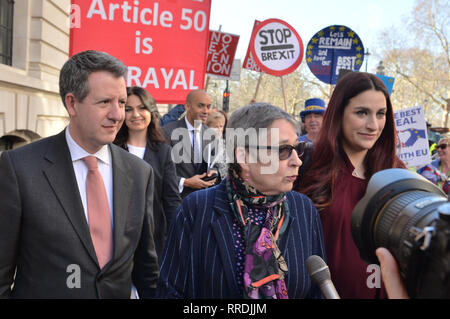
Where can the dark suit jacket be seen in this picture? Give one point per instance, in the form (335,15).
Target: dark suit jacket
(199,260)
(185,168)
(166,197)
(44,232)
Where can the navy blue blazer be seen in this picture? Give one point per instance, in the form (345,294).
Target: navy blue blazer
(199,259)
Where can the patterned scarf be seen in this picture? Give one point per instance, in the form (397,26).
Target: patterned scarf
(265,267)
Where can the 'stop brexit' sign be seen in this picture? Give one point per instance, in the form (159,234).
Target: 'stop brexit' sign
(276,47)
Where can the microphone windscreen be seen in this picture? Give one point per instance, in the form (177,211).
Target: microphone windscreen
(317,268)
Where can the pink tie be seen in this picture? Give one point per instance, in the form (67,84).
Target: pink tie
(100,224)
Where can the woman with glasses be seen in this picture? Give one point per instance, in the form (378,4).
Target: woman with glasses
(249,236)
(359,140)
(438,171)
(141,135)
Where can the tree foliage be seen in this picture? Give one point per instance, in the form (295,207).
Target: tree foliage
(418,58)
(298,86)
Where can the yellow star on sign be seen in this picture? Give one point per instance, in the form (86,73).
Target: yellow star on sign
(310,47)
(358,62)
(358,48)
(309,52)
(358,55)
(320,33)
(351,34)
(314,40)
(355,41)
(309,59)
(342,28)
(332,28)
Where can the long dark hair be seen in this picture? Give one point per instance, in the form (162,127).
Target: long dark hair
(328,154)
(154,131)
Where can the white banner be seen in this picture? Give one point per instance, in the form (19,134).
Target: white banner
(413,147)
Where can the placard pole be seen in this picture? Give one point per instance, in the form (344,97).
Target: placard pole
(207,82)
(257,86)
(284,93)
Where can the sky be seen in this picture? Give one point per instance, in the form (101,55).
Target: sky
(367,18)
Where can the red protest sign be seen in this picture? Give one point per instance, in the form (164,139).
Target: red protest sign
(221,51)
(163,43)
(249,62)
(276,47)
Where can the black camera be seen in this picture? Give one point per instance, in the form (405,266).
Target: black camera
(410,216)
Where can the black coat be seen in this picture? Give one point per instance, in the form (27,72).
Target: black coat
(166,194)
(44,234)
(185,167)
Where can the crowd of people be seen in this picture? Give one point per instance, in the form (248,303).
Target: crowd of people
(186,210)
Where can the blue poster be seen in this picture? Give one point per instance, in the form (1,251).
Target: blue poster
(334,48)
(388,82)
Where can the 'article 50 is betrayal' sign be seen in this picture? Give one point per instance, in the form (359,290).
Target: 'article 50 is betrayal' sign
(163,43)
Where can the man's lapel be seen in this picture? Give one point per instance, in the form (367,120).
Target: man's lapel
(122,185)
(61,177)
(189,166)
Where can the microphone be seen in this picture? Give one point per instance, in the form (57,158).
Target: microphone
(320,273)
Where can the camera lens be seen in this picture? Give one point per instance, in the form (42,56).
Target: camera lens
(396,202)
(401,221)
(401,211)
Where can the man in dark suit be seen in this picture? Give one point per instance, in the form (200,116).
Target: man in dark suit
(192,166)
(58,239)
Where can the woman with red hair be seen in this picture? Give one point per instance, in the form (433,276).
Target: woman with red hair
(357,140)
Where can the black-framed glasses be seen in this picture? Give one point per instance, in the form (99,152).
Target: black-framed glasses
(284,151)
(443,146)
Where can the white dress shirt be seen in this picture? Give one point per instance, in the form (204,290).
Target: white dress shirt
(198,141)
(81,170)
(136,150)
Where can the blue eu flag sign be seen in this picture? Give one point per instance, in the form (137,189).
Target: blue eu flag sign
(388,82)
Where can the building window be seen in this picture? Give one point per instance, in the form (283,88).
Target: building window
(6,29)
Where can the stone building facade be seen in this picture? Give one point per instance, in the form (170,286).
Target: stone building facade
(37,33)
(30,105)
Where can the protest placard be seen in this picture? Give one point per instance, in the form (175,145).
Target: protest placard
(249,63)
(163,43)
(221,50)
(276,47)
(413,147)
(331,49)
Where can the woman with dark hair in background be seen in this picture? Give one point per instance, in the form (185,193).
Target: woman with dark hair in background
(357,140)
(141,135)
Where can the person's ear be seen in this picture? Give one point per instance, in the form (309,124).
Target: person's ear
(70,101)
(187,106)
